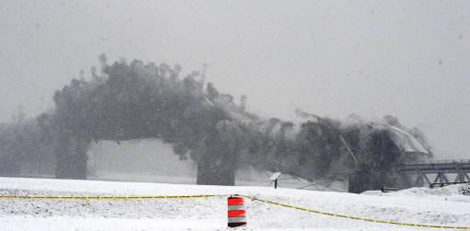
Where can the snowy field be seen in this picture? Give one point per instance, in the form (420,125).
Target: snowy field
(425,206)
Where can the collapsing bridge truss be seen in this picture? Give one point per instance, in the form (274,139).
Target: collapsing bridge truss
(419,175)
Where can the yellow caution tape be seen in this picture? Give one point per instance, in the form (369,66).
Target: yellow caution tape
(355,218)
(206,196)
(105,197)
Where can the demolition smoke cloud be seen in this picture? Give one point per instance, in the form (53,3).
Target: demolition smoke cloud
(137,100)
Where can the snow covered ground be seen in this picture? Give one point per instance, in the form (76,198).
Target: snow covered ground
(425,206)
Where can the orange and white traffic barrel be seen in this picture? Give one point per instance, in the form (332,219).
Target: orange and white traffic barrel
(236,211)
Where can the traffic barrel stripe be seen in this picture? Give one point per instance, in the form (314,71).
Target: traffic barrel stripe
(235,201)
(237,220)
(235,207)
(236,213)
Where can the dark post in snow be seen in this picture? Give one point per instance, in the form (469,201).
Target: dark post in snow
(275,178)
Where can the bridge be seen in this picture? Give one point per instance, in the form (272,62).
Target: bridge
(442,173)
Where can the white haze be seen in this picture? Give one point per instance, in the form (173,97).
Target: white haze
(332,58)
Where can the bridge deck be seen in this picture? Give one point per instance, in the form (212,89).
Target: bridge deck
(437,167)
(422,172)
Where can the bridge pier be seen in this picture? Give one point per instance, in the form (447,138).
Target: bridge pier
(71,157)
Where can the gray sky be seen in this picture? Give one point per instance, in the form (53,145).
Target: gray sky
(332,58)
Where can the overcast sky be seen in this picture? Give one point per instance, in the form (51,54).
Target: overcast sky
(408,58)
